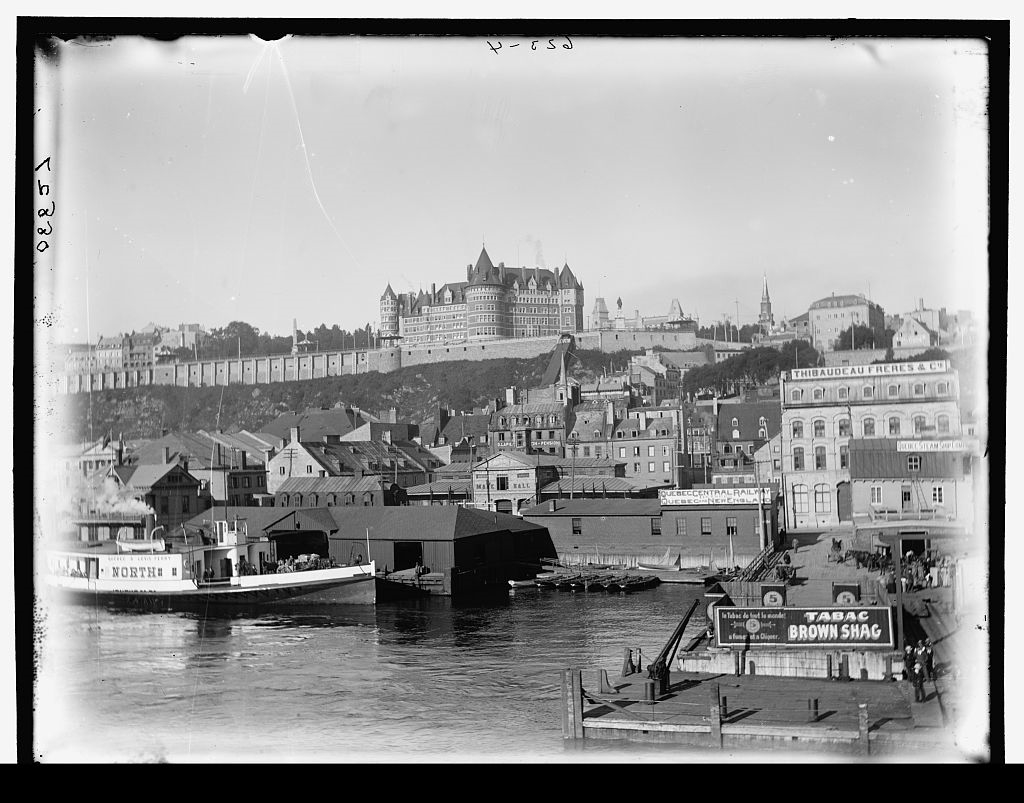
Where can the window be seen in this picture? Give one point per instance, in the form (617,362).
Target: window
(762,433)
(165,507)
(937,494)
(312,500)
(309,468)
(577,526)
(819,458)
(597,433)
(867,392)
(735,422)
(800,499)
(893,391)
(622,451)
(876,494)
(894,426)
(680,526)
(730,525)
(844,427)
(586,451)
(636,451)
(919,388)
(844,393)
(501,421)
(914,462)
(942,388)
(666,466)
(185,507)
(735,433)
(942,424)
(798,429)
(650,467)
(705,525)
(762,422)
(502,483)
(234,482)
(819,394)
(918,424)
(551,434)
(245,482)
(281,471)
(869,427)
(796,395)
(636,468)
(844,456)
(655,526)
(798,459)
(819,428)
(650,451)
(822,499)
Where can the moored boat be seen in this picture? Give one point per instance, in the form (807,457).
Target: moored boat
(235,570)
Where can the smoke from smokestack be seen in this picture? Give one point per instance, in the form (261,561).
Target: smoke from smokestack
(113,500)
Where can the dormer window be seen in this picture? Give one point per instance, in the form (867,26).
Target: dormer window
(819,394)
(735,422)
(844,393)
(762,422)
(893,391)
(796,395)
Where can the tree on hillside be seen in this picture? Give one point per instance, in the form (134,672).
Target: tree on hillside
(864,337)
(798,354)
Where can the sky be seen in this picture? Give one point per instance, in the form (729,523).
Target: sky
(220,178)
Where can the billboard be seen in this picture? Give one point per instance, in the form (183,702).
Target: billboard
(804,627)
(881,369)
(931,446)
(715,496)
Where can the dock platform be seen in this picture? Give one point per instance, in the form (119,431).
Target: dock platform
(756,712)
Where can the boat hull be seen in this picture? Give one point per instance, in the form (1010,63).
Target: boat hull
(352,590)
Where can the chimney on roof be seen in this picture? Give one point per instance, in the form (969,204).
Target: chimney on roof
(433,292)
(167,455)
(552,506)
(294,435)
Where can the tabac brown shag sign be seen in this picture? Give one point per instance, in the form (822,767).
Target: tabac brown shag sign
(804,627)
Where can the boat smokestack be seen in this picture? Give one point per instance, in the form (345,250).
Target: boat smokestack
(150,524)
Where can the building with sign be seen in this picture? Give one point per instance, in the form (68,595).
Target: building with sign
(823,409)
(698,527)
(916,491)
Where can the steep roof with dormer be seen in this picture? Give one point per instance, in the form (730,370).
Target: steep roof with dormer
(567,280)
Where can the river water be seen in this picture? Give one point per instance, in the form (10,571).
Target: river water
(413,681)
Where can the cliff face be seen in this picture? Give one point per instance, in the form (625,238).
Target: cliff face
(415,392)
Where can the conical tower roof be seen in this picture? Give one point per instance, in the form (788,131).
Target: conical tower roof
(389,293)
(566,279)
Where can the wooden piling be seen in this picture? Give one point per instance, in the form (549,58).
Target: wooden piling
(603,685)
(627,662)
(863,742)
(572,704)
(716,717)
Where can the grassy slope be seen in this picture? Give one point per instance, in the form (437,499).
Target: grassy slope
(415,391)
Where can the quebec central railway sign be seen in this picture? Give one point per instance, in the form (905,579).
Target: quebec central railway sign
(714,496)
(804,627)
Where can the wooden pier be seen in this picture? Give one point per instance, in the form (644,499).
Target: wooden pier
(754,712)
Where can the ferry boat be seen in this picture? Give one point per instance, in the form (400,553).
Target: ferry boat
(235,570)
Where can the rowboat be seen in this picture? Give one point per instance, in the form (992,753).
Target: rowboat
(522,583)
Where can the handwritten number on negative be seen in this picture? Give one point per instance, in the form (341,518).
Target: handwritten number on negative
(44,213)
(46,162)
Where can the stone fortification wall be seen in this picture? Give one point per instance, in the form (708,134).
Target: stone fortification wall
(487,350)
(292,367)
(611,341)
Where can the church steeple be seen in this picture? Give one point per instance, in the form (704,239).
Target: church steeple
(765,320)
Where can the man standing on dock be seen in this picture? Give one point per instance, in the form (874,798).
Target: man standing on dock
(918,677)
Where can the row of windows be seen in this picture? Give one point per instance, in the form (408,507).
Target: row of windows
(538,421)
(651,451)
(868,392)
(330,500)
(821,462)
(918,422)
(938,494)
(731,525)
